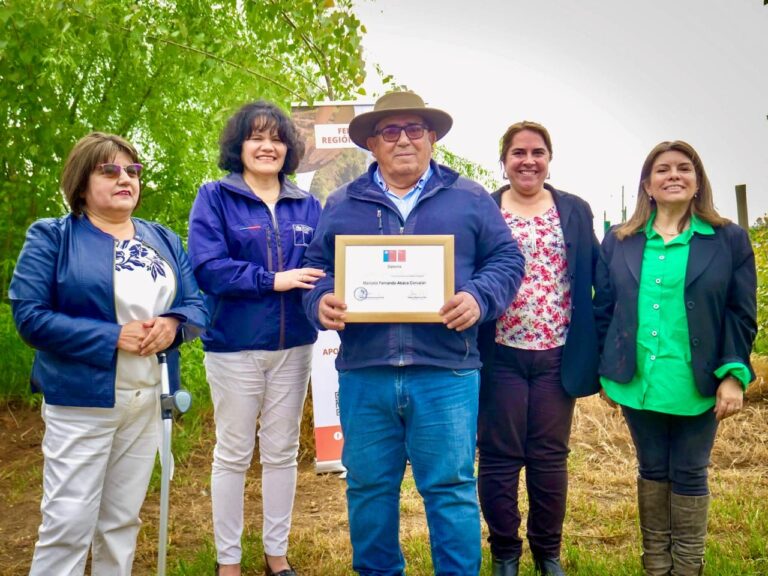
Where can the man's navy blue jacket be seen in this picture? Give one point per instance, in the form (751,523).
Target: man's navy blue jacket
(488,265)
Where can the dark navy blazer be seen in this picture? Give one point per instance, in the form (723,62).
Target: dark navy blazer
(720,298)
(580,353)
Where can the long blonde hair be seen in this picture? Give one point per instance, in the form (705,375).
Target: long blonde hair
(702,204)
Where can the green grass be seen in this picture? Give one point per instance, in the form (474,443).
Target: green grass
(601,536)
(21,476)
(17,362)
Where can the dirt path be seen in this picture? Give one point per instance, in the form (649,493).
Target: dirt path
(602,461)
(21,430)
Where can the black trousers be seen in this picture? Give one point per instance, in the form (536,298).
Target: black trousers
(524,421)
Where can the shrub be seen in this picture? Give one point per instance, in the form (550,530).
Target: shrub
(17,360)
(759,237)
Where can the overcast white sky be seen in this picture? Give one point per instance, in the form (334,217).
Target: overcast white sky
(609,78)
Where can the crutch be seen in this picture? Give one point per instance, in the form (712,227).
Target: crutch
(181,401)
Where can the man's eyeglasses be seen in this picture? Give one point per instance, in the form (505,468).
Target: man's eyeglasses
(111,170)
(392,132)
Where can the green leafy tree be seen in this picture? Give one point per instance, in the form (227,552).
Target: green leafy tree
(166,75)
(467,168)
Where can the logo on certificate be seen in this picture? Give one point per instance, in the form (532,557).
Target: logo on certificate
(360,293)
(394,256)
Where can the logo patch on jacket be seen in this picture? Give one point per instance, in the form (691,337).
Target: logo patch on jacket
(302,234)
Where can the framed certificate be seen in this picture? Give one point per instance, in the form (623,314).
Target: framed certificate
(394,278)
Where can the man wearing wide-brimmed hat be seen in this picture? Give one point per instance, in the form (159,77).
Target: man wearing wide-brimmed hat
(409,391)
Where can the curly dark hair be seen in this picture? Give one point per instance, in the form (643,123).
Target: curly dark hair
(252,117)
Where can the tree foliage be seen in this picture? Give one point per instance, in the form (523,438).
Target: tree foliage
(759,236)
(466,167)
(164,74)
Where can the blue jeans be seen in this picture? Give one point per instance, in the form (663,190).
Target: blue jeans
(673,448)
(427,416)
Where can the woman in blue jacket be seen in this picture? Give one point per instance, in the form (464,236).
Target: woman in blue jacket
(247,236)
(98,293)
(537,358)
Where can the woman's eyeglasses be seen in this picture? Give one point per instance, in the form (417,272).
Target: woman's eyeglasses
(392,132)
(112,170)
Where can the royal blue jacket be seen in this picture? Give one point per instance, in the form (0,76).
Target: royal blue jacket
(63,302)
(488,265)
(236,250)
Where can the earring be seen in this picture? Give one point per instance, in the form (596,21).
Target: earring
(548,176)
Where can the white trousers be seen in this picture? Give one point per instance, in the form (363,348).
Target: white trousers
(268,387)
(98,462)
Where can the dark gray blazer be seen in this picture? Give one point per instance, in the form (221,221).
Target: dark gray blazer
(580,353)
(720,297)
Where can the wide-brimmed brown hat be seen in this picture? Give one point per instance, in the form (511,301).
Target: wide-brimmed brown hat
(391,104)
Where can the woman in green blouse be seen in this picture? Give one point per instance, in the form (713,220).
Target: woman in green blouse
(675,306)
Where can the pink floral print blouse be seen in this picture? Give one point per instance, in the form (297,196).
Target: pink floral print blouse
(539,317)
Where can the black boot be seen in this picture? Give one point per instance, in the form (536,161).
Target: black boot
(549,566)
(507,567)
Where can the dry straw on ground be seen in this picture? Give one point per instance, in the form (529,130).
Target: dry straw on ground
(601,516)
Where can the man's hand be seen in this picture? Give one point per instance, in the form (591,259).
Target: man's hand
(730,398)
(162,333)
(460,312)
(330,312)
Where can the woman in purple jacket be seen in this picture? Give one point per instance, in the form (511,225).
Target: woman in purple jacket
(247,236)
(98,293)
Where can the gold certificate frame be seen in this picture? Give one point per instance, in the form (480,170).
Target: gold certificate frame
(404,278)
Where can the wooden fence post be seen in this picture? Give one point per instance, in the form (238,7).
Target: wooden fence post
(741,205)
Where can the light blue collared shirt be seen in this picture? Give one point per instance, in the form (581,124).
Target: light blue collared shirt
(407,202)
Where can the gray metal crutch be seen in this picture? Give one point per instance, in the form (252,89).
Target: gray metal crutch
(181,401)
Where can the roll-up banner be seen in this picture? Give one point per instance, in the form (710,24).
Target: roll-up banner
(330,160)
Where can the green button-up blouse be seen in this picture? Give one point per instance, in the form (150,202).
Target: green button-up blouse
(663,381)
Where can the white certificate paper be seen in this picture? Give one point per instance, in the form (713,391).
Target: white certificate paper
(395,278)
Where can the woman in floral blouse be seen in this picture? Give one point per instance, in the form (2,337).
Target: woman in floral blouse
(537,358)
(98,293)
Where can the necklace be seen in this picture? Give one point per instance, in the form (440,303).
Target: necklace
(666,233)
(531,206)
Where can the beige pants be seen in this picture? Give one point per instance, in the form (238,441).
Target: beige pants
(268,387)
